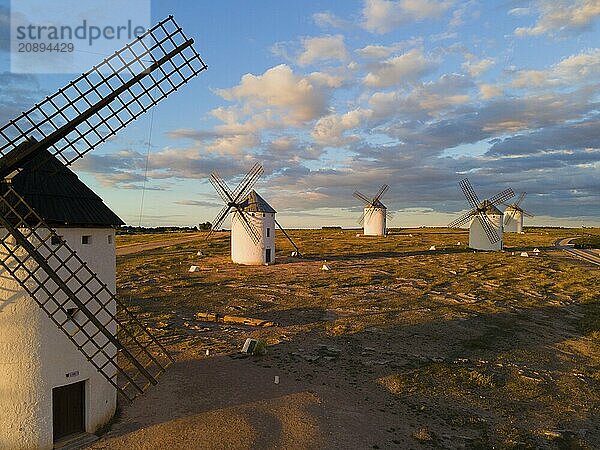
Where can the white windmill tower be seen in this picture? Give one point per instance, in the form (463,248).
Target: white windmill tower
(486,220)
(252,220)
(67,344)
(375,214)
(513,216)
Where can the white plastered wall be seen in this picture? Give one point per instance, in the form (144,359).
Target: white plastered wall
(35,356)
(243,249)
(515,225)
(478,239)
(375,222)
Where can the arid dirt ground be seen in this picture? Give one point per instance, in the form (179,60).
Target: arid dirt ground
(396,346)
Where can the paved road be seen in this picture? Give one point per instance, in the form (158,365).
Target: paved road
(137,248)
(587,255)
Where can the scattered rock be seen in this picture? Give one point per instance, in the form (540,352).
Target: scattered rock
(551,434)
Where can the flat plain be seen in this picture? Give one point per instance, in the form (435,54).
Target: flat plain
(397,346)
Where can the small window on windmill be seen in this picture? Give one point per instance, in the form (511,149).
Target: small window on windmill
(86,239)
(56,240)
(268,232)
(110,239)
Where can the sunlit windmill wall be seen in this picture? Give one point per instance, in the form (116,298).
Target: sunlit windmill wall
(478,239)
(244,250)
(37,358)
(375,221)
(515,225)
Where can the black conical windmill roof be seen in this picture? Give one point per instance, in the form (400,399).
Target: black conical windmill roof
(59,196)
(255,203)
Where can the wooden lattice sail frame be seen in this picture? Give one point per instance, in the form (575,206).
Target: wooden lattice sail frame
(67,125)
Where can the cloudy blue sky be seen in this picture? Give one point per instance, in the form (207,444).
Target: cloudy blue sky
(333,96)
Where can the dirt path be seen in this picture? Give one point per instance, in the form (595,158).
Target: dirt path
(137,248)
(590,256)
(218,402)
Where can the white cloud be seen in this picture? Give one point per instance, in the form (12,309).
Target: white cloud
(562,17)
(488,91)
(476,68)
(322,48)
(296,98)
(581,67)
(376,51)
(425,101)
(327,79)
(405,68)
(381,16)
(330,130)
(519,12)
(383,51)
(233,145)
(327,19)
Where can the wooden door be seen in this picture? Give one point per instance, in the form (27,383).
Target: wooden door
(268,255)
(68,406)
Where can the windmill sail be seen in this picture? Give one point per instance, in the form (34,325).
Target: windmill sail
(93,107)
(234,199)
(372,204)
(514,208)
(67,125)
(57,279)
(480,210)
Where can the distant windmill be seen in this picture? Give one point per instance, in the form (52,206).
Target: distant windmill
(375,214)
(69,344)
(252,221)
(486,228)
(513,216)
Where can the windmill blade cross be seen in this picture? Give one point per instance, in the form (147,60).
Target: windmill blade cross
(380,194)
(250,228)
(457,223)
(41,270)
(361,220)
(469,192)
(95,106)
(232,200)
(511,216)
(520,199)
(490,232)
(502,196)
(368,214)
(221,187)
(526,213)
(69,124)
(363,198)
(218,221)
(248,182)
